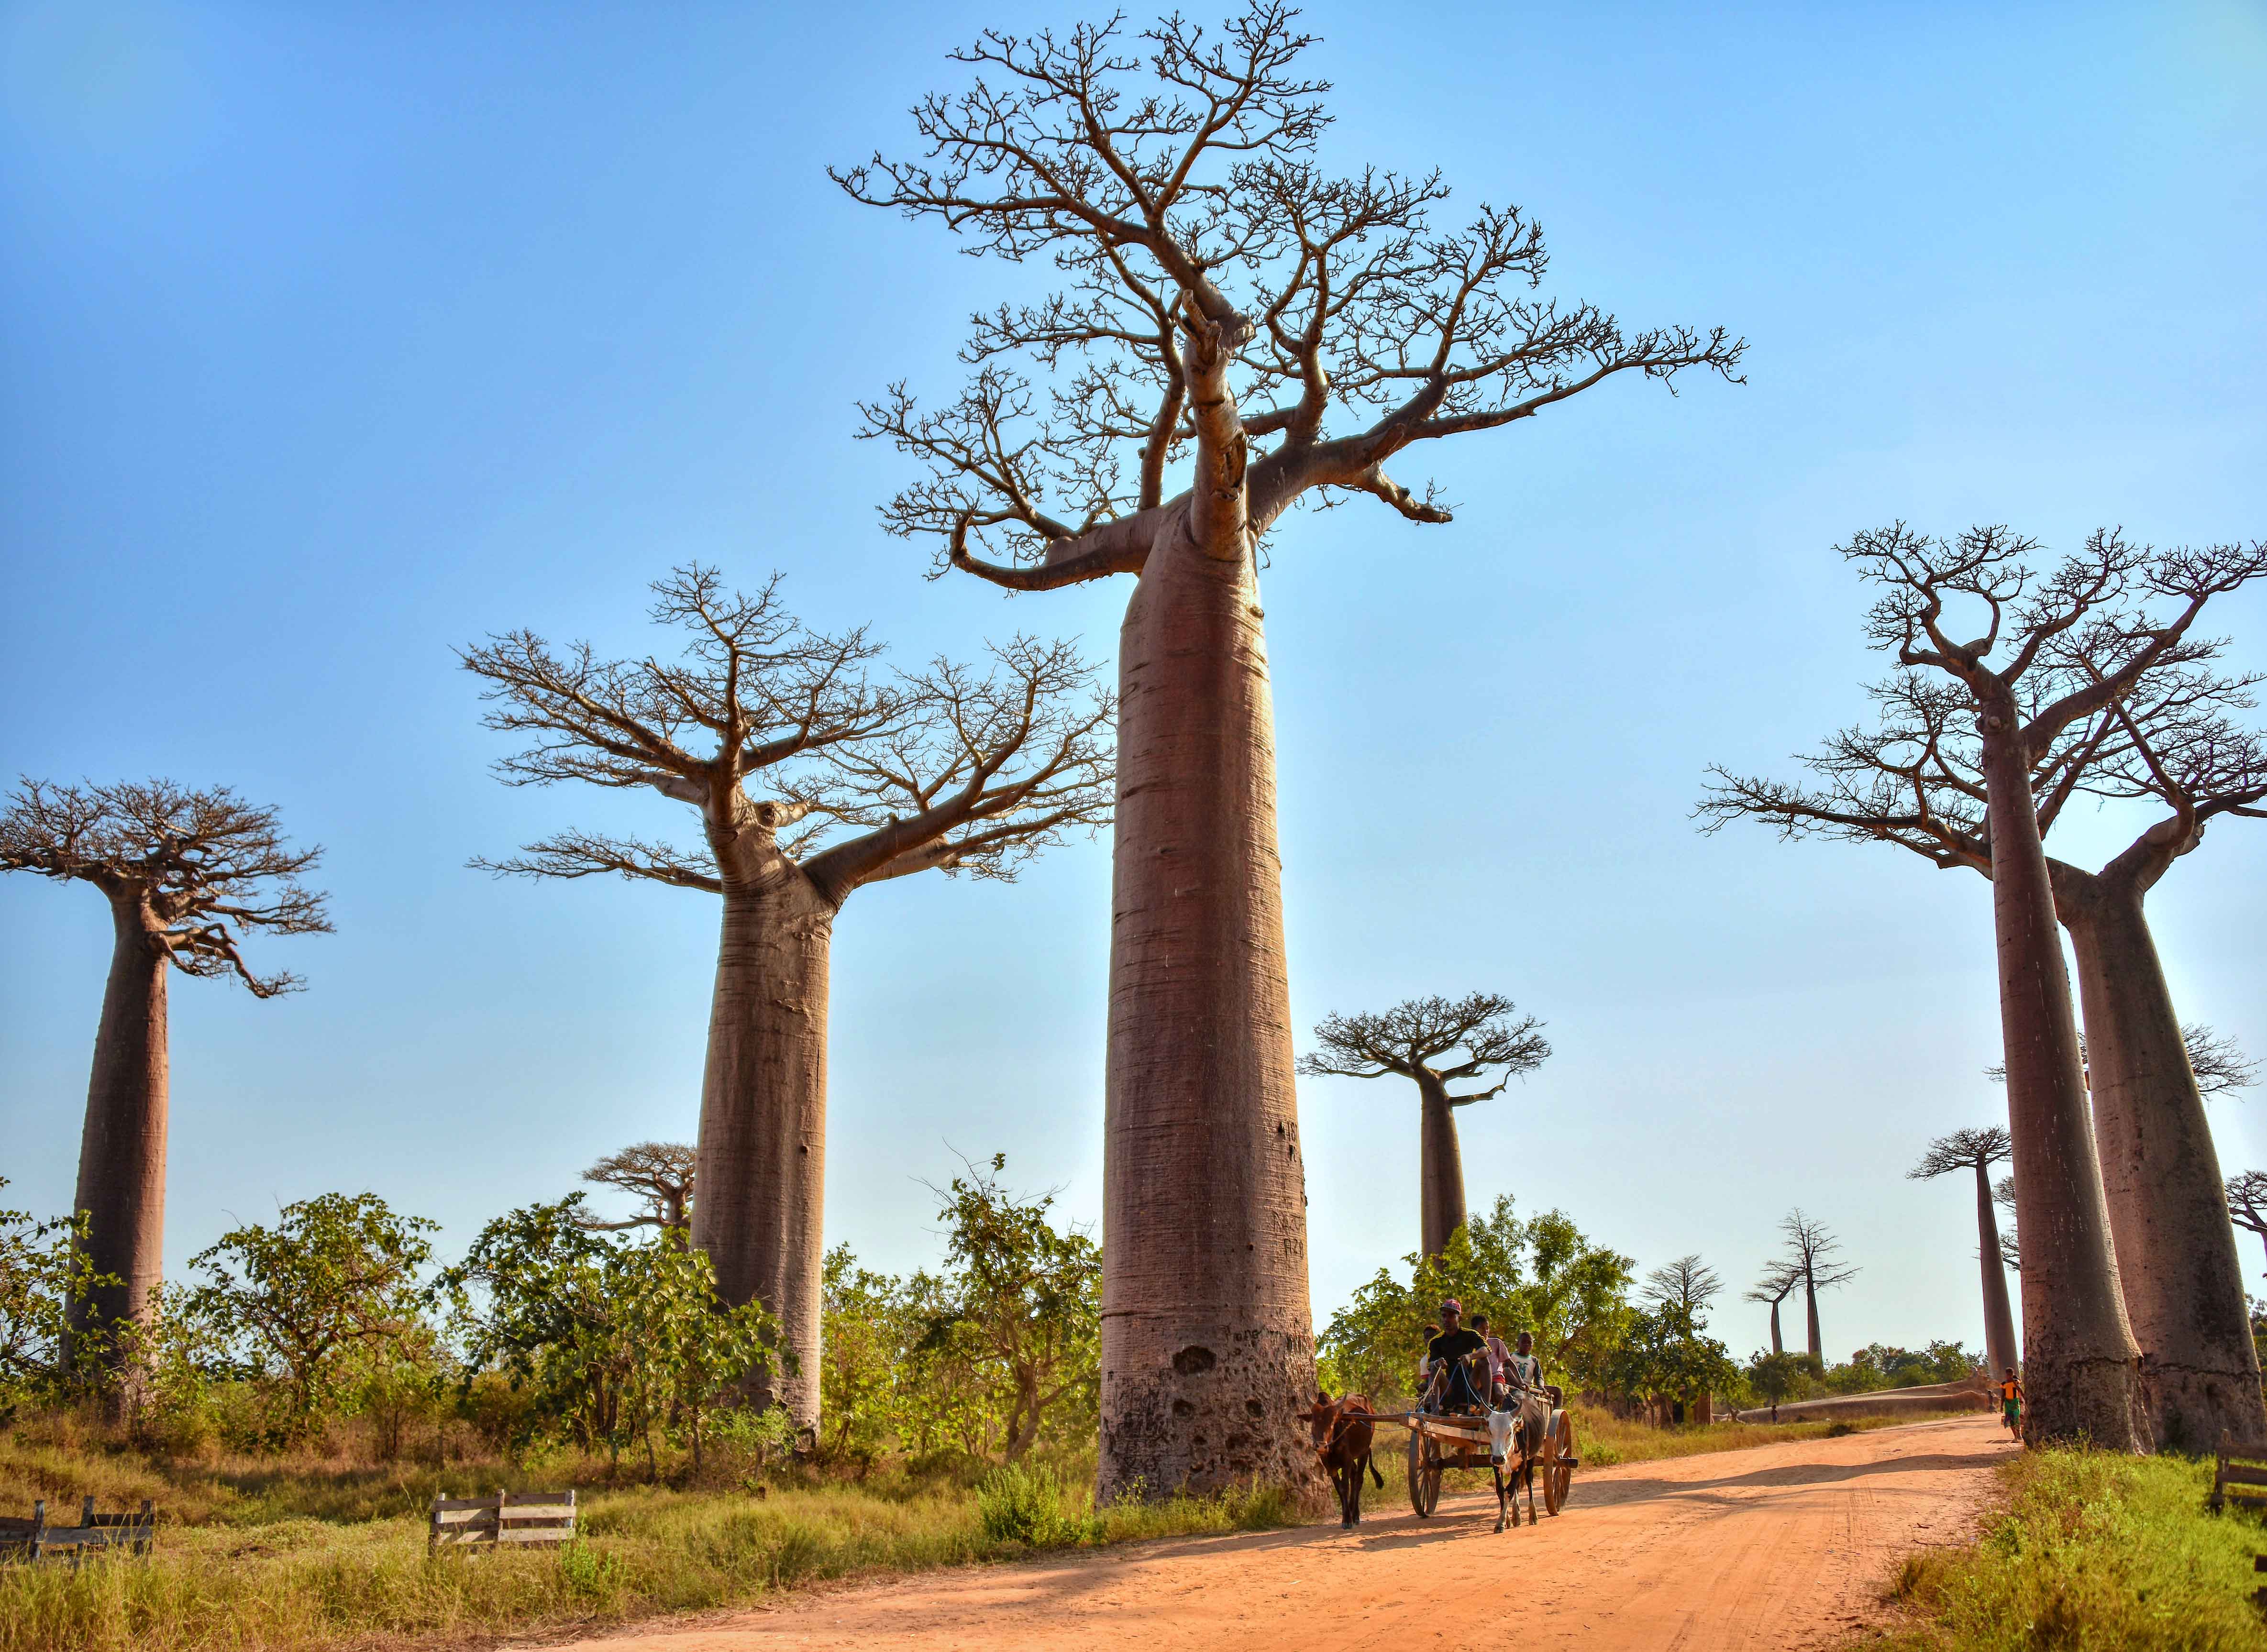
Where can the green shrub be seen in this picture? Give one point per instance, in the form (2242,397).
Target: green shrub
(1025,1504)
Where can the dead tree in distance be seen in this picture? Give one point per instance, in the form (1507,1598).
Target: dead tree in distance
(1811,1250)
(1779,1280)
(1687,1283)
(2075,640)
(1487,1034)
(189,874)
(1236,331)
(2247,1201)
(1978,1150)
(1918,779)
(661,1174)
(947,768)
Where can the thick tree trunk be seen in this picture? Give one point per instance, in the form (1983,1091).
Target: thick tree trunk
(122,1154)
(762,1166)
(2082,1370)
(1207,1340)
(1441,1167)
(1810,1314)
(2000,1349)
(1777,1345)
(2167,1204)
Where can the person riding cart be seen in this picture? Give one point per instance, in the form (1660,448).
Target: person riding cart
(1452,1383)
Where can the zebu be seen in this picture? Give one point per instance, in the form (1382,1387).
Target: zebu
(1345,1431)
(1532,1437)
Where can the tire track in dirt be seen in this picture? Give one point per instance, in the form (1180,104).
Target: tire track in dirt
(1780,1547)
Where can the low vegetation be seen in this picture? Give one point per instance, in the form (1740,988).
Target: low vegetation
(2096,1550)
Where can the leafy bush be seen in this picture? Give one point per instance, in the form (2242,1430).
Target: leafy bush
(1024,1503)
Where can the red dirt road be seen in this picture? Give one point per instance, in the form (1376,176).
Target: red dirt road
(1779,1547)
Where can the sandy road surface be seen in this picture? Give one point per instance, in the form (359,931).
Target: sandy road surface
(1781,1545)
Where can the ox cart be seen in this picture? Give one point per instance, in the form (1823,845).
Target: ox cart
(1534,1439)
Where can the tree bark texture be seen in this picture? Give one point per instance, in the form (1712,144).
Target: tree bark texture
(2001,1350)
(2082,1370)
(122,1155)
(1810,1314)
(1208,1342)
(1777,1345)
(2183,1284)
(762,1165)
(1441,1167)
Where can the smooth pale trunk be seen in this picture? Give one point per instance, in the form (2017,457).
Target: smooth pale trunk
(1207,1340)
(2000,1349)
(762,1165)
(2183,1284)
(2082,1370)
(1810,1312)
(1777,1347)
(122,1154)
(1441,1168)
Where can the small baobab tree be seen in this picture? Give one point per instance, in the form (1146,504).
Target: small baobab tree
(1435,1043)
(660,1174)
(1236,333)
(2058,656)
(1811,1252)
(1978,1150)
(1778,1282)
(947,768)
(1687,1284)
(2247,1201)
(189,874)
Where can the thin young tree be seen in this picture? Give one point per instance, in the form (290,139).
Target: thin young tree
(1916,777)
(1978,1150)
(2247,1201)
(1487,1035)
(1687,1284)
(188,876)
(2074,642)
(1236,333)
(1778,1283)
(1812,1251)
(659,1174)
(947,768)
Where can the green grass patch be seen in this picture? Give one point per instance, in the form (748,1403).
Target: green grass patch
(2096,1552)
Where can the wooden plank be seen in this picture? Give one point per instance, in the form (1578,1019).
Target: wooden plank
(540,1534)
(463,1517)
(2243,1474)
(513,1499)
(539,1511)
(441,1504)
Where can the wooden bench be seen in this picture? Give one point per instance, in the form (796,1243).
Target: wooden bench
(2240,1477)
(508,1517)
(34,1539)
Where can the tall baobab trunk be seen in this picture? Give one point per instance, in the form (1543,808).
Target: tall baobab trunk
(122,1155)
(1207,1344)
(1777,1345)
(1441,1166)
(763,1119)
(1810,1314)
(2183,1284)
(2082,1370)
(2001,1350)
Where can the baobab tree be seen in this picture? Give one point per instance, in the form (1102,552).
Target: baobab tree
(1487,1036)
(2076,643)
(190,875)
(659,1174)
(947,768)
(1918,779)
(1811,1252)
(2011,1246)
(1688,1283)
(1779,1280)
(1236,333)
(2247,1201)
(1978,1150)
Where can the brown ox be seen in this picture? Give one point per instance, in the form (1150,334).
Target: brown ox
(1343,1430)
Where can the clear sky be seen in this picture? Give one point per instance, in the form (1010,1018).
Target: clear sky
(332,337)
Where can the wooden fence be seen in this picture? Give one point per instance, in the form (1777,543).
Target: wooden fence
(2240,1477)
(34,1539)
(508,1517)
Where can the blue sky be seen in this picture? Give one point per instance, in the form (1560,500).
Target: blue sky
(332,338)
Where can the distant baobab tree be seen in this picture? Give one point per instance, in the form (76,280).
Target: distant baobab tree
(1236,333)
(1687,1283)
(2247,1201)
(190,875)
(2011,1248)
(947,768)
(1779,1280)
(659,1174)
(1811,1250)
(2079,644)
(1978,1150)
(1413,1039)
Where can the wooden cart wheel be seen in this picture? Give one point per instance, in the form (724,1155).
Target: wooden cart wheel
(1559,1465)
(1423,1472)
